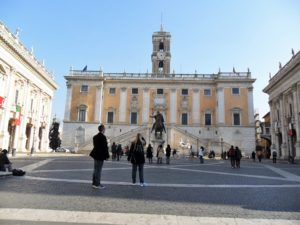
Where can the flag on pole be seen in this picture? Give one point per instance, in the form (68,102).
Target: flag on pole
(18,115)
(84,69)
(1,101)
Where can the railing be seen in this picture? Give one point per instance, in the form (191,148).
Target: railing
(173,76)
(128,134)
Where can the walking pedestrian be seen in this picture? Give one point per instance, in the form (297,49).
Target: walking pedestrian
(99,154)
(160,154)
(238,156)
(137,158)
(259,155)
(274,154)
(231,155)
(119,152)
(168,154)
(114,151)
(253,156)
(149,153)
(201,154)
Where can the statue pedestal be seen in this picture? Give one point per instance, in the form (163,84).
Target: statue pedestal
(156,141)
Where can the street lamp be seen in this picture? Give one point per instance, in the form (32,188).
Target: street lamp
(222,149)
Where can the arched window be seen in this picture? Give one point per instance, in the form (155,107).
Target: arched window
(82,110)
(161,64)
(161,46)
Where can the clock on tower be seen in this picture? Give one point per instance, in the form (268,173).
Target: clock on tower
(161,56)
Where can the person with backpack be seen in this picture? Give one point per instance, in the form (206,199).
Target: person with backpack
(136,156)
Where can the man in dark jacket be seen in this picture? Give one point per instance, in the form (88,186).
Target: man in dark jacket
(99,154)
(5,164)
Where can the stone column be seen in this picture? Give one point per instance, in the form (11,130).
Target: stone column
(173,106)
(273,119)
(68,102)
(97,108)
(4,83)
(284,148)
(297,125)
(146,104)
(4,135)
(250,106)
(48,122)
(38,119)
(25,109)
(101,98)
(221,105)
(123,105)
(196,107)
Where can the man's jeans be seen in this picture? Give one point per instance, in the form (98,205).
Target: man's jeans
(97,172)
(141,172)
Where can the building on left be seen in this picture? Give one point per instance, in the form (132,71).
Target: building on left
(26,95)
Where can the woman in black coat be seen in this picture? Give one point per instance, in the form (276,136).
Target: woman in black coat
(136,156)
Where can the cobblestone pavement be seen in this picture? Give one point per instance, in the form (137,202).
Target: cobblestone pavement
(57,190)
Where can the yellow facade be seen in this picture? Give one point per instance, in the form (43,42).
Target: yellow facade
(197,108)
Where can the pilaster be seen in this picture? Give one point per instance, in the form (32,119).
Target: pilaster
(196,107)
(296,117)
(146,104)
(173,106)
(284,148)
(221,105)
(68,102)
(123,105)
(250,106)
(97,108)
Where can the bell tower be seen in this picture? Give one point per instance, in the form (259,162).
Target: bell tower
(161,55)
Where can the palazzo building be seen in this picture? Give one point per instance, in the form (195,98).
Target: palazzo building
(210,110)
(26,95)
(284,100)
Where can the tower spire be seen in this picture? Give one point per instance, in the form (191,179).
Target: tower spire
(161,23)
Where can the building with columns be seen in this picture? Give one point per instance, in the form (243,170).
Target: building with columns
(210,110)
(26,95)
(284,100)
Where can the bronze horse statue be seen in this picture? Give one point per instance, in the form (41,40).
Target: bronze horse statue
(158,125)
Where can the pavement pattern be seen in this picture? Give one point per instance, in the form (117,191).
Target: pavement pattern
(57,190)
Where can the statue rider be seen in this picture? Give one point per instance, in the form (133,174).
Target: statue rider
(158,125)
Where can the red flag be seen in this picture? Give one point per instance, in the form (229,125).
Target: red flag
(1,101)
(18,115)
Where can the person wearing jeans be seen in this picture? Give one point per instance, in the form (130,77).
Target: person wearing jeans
(99,154)
(136,156)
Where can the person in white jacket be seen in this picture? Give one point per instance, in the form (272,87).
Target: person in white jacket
(201,154)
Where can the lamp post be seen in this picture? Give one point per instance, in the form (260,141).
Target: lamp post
(222,149)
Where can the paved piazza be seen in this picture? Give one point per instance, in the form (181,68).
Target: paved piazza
(57,190)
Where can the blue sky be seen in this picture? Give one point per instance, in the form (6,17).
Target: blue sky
(116,35)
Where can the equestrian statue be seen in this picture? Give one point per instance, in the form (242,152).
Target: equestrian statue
(158,125)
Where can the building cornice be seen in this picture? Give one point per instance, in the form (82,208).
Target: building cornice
(13,43)
(226,77)
(281,74)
